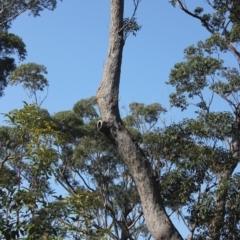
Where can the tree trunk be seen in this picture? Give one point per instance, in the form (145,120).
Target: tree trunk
(158,222)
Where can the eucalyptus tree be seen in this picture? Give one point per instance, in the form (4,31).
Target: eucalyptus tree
(26,156)
(136,177)
(111,124)
(11,9)
(33,79)
(12,46)
(30,207)
(201,80)
(88,162)
(201,154)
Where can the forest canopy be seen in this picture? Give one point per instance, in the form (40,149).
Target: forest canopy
(92,172)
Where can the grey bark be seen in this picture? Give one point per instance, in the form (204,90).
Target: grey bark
(158,222)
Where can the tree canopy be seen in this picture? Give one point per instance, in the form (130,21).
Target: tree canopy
(10,9)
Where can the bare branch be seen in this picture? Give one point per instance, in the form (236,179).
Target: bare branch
(5,160)
(135,220)
(76,171)
(204,22)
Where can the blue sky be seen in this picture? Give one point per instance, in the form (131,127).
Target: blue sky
(72,43)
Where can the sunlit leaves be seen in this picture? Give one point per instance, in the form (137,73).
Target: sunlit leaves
(30,150)
(31,75)
(200,72)
(12,9)
(144,116)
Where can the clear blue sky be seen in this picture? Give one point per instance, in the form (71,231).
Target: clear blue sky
(72,43)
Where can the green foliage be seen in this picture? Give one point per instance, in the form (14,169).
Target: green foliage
(69,123)
(37,148)
(193,76)
(28,152)
(31,75)
(144,117)
(186,158)
(199,72)
(130,26)
(85,108)
(10,44)
(193,160)
(26,158)
(12,9)
(203,153)
(89,164)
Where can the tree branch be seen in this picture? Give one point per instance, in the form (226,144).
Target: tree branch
(204,22)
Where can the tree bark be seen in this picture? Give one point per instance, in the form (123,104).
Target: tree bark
(158,222)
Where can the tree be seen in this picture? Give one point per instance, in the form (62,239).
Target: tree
(126,26)
(101,196)
(11,44)
(185,168)
(202,70)
(31,75)
(88,161)
(158,222)
(26,155)
(196,162)
(11,9)
(30,208)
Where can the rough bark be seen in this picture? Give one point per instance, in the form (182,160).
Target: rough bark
(158,222)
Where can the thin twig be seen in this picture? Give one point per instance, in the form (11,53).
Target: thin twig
(136,3)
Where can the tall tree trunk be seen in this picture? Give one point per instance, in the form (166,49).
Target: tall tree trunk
(158,222)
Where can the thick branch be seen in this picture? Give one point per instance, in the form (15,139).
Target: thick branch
(204,22)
